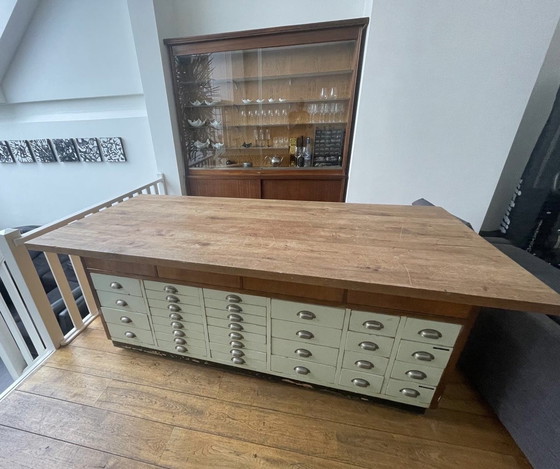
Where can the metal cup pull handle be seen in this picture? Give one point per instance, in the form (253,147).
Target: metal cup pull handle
(175,316)
(174,308)
(408,392)
(178,334)
(177,325)
(373,325)
(369,346)
(180,348)
(235,327)
(303,353)
(121,303)
(172,299)
(364,364)
(236,344)
(423,356)
(362,383)
(233,299)
(237,353)
(180,341)
(304,335)
(115,285)
(126,319)
(169,289)
(416,374)
(130,335)
(233,308)
(235,336)
(235,317)
(430,334)
(301,370)
(306,315)
(238,361)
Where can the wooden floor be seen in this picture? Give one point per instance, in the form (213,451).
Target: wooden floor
(94,405)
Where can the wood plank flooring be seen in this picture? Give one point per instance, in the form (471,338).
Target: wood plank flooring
(94,405)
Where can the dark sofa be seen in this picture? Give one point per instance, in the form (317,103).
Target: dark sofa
(513,359)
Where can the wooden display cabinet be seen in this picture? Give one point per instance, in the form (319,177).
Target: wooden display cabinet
(268,113)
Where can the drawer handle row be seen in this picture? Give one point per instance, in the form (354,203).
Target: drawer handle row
(174,308)
(115,285)
(408,392)
(237,353)
(423,356)
(362,383)
(121,303)
(235,327)
(175,316)
(130,335)
(235,317)
(430,334)
(169,289)
(126,319)
(303,353)
(233,298)
(180,348)
(172,299)
(369,346)
(416,374)
(304,335)
(364,364)
(301,370)
(308,315)
(373,325)
(235,336)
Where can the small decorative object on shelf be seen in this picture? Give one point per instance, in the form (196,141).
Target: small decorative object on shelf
(252,93)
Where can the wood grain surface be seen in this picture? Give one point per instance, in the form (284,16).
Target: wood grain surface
(411,251)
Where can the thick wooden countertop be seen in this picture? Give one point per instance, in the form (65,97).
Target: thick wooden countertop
(417,252)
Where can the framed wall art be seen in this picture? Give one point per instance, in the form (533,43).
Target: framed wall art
(5,153)
(42,150)
(88,150)
(112,149)
(65,150)
(20,151)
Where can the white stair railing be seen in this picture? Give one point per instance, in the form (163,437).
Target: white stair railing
(29,300)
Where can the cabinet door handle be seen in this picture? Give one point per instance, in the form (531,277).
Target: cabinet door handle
(238,360)
(178,334)
(301,352)
(234,308)
(369,346)
(130,335)
(174,308)
(233,299)
(306,315)
(169,289)
(175,316)
(176,325)
(416,374)
(180,348)
(423,356)
(180,341)
(373,325)
(362,383)
(430,334)
(236,344)
(237,353)
(235,327)
(235,317)
(304,335)
(408,392)
(235,336)
(364,364)
(301,370)
(172,299)
(121,303)
(115,285)
(126,319)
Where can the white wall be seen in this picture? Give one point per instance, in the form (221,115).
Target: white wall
(75,74)
(445,83)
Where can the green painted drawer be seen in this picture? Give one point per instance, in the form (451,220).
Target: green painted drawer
(307,352)
(295,331)
(126,318)
(220,334)
(162,300)
(421,330)
(171,288)
(185,341)
(121,333)
(416,373)
(232,297)
(182,349)
(252,361)
(167,334)
(315,372)
(165,312)
(374,323)
(434,356)
(396,388)
(235,308)
(226,346)
(304,314)
(364,363)
(189,327)
(360,342)
(122,302)
(113,283)
(363,383)
(234,317)
(185,319)
(236,326)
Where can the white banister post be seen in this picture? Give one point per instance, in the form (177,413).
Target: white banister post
(25,276)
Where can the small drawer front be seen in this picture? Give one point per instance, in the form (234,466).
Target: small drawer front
(369,344)
(308,352)
(130,334)
(162,299)
(122,302)
(416,373)
(168,339)
(189,329)
(112,283)
(410,392)
(364,363)
(374,323)
(431,332)
(303,370)
(182,349)
(221,335)
(171,288)
(185,319)
(169,335)
(255,360)
(234,297)
(236,317)
(306,333)
(180,309)
(240,308)
(244,346)
(307,314)
(363,383)
(129,318)
(236,326)
(423,354)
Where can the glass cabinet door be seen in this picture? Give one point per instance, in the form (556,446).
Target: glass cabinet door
(266,108)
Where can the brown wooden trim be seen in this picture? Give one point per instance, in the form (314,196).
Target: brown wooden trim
(116,267)
(193,276)
(294,290)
